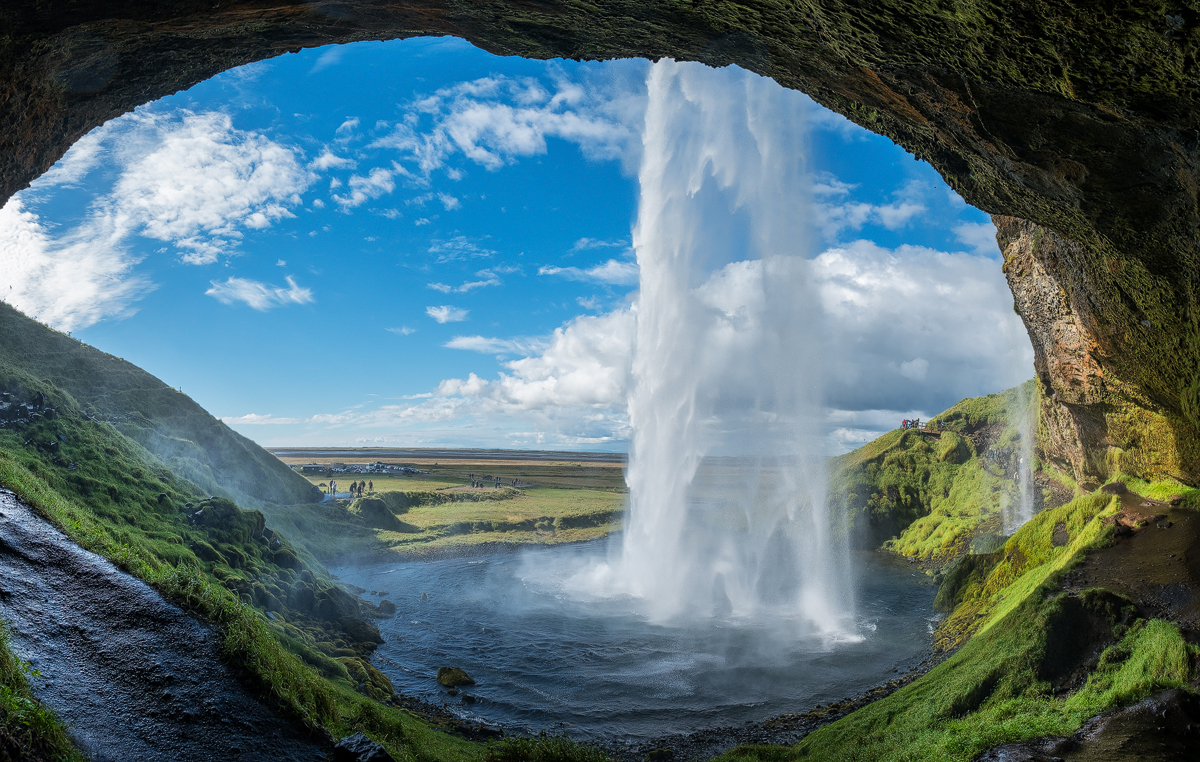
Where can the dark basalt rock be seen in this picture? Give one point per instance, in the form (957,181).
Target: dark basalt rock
(359,748)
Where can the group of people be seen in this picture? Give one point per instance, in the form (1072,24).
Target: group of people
(915,423)
(480,483)
(356,488)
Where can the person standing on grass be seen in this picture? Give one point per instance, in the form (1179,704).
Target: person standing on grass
(371,485)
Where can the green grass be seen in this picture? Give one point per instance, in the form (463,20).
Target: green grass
(929,497)
(525,517)
(996,688)
(544,748)
(29,723)
(552,474)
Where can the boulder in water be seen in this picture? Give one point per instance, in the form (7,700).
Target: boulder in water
(359,748)
(452,677)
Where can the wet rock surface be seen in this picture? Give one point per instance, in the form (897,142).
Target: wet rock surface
(1155,562)
(1164,727)
(134,677)
(359,748)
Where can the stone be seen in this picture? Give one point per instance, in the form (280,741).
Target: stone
(452,677)
(1116,488)
(359,748)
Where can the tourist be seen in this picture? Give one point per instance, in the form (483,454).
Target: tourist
(371,486)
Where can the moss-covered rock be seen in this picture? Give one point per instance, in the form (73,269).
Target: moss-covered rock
(452,677)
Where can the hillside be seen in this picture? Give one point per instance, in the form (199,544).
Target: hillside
(934,494)
(165,422)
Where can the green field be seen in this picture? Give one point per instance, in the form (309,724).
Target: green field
(558,501)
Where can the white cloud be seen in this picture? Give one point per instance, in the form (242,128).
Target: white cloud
(834,216)
(916,328)
(587,244)
(330,57)
(200,181)
(486,278)
(494,346)
(329,160)
(979,236)
(402,330)
(347,128)
(614,272)
(457,387)
(259,296)
(447,314)
(362,189)
(448,201)
(68,283)
(495,120)
(457,248)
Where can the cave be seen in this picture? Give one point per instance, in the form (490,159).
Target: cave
(1075,127)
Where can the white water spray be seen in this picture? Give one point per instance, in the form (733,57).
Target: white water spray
(727,487)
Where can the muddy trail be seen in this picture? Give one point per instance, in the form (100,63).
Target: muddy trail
(135,678)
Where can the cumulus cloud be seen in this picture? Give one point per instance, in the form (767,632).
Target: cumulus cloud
(329,160)
(259,296)
(189,179)
(917,328)
(833,214)
(613,272)
(447,314)
(377,183)
(495,120)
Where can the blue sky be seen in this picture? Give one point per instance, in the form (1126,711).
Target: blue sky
(419,243)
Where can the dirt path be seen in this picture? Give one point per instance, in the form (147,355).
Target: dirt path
(135,678)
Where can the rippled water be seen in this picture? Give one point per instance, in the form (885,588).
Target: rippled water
(599,668)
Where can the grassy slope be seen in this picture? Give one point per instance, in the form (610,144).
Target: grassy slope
(164,421)
(997,688)
(931,497)
(112,496)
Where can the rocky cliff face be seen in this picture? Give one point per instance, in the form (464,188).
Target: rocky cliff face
(1096,420)
(1080,118)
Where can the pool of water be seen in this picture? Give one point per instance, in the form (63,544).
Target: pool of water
(547,658)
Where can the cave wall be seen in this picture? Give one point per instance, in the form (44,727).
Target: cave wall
(1081,119)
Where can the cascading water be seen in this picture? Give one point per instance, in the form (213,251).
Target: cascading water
(1024,413)
(727,503)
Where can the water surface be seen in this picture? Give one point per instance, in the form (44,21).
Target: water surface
(547,658)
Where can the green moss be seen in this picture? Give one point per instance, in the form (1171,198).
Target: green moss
(997,688)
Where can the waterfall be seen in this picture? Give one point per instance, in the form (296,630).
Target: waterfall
(1024,411)
(727,509)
